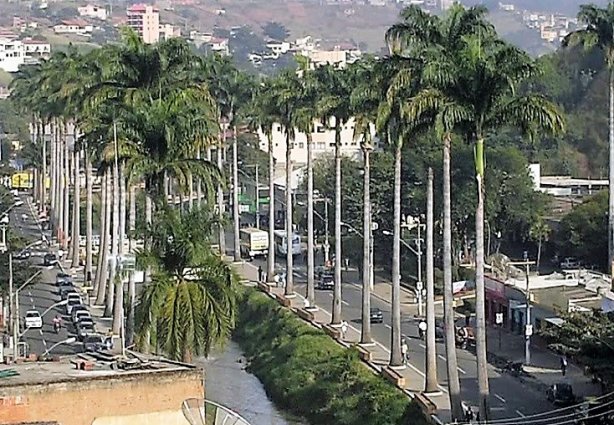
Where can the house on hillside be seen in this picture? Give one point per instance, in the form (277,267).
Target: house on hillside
(93,11)
(73,26)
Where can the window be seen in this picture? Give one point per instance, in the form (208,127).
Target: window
(321,145)
(301,145)
(279,128)
(320,129)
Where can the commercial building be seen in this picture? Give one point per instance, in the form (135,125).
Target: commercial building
(99,390)
(145,20)
(323,142)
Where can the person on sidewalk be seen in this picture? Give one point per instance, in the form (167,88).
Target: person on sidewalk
(404,352)
(564,364)
(259,273)
(344,329)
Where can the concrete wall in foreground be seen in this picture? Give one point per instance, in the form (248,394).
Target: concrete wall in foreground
(134,398)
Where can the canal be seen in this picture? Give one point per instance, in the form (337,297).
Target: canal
(228,383)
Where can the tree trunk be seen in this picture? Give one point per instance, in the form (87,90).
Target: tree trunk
(289,289)
(131,281)
(66,192)
(539,253)
(480,313)
(220,201)
(311,296)
(105,240)
(88,216)
(611,180)
(235,196)
(448,304)
(118,305)
(396,357)
(431,385)
(41,135)
(147,339)
(76,212)
(199,191)
(54,179)
(365,334)
(111,284)
(336,317)
(271,254)
(60,187)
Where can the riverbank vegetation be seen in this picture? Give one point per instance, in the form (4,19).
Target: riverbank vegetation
(305,372)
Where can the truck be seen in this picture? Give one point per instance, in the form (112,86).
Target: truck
(254,242)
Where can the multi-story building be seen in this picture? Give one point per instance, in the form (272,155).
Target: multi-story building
(323,142)
(145,20)
(14,53)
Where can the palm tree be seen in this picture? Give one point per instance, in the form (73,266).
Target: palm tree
(420,35)
(88,214)
(477,82)
(76,210)
(598,33)
(192,296)
(334,103)
(431,385)
(539,232)
(100,283)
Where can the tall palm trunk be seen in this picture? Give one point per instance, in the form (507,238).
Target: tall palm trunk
(289,291)
(66,191)
(396,357)
(220,197)
(76,211)
(105,240)
(54,178)
(336,317)
(235,196)
(611,180)
(271,254)
(88,215)
(60,186)
(365,335)
(118,305)
(451,363)
(480,313)
(311,296)
(41,135)
(111,284)
(131,281)
(199,190)
(431,385)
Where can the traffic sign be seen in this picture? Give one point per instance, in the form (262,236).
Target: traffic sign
(528,330)
(499,318)
(419,285)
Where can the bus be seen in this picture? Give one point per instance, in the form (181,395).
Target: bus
(281,247)
(254,242)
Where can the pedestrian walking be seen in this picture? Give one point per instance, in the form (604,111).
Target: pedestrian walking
(283,280)
(564,364)
(422,329)
(260,273)
(344,329)
(404,352)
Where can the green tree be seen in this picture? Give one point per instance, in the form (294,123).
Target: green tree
(190,304)
(539,232)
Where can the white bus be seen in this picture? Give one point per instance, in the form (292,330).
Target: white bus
(281,246)
(254,242)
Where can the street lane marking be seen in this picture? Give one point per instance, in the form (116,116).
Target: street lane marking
(387,326)
(461,370)
(501,399)
(423,346)
(520,414)
(442,357)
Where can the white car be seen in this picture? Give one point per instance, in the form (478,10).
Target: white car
(33,319)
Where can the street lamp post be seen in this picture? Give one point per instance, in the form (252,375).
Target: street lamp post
(70,340)
(528,330)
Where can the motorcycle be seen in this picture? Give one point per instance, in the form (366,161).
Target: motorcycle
(514,368)
(56,327)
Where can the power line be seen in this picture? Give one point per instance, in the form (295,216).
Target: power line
(531,418)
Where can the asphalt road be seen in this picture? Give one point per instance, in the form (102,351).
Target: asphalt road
(41,294)
(509,397)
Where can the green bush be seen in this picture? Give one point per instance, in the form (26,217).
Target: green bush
(305,372)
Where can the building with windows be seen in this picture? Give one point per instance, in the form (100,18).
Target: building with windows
(323,139)
(14,53)
(93,11)
(145,20)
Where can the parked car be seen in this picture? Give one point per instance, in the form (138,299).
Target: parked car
(93,342)
(570,263)
(49,259)
(65,289)
(561,394)
(79,312)
(376,316)
(84,328)
(326,282)
(62,278)
(73,300)
(33,319)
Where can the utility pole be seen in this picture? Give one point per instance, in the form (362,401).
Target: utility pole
(326,244)
(419,284)
(528,329)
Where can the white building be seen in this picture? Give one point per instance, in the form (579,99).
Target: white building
(279,47)
(93,11)
(219,45)
(323,140)
(14,53)
(169,31)
(74,26)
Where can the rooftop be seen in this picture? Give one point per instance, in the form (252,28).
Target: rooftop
(141,8)
(566,181)
(100,367)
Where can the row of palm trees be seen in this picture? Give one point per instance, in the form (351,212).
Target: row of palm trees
(149,115)
(453,76)
(141,118)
